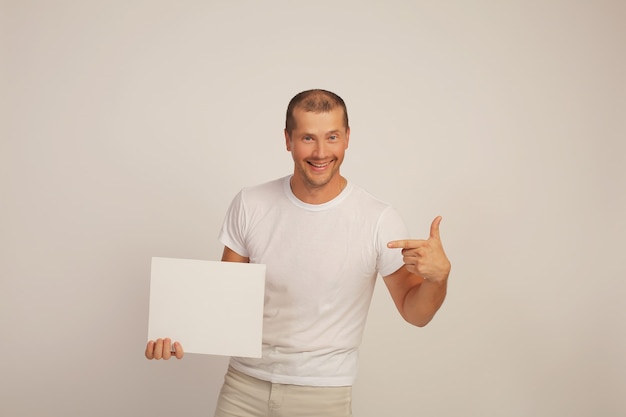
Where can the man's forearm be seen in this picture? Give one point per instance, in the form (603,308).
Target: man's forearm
(423,301)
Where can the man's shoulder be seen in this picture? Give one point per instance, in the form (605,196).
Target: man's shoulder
(265,190)
(368,199)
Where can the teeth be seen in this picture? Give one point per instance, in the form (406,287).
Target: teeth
(319,165)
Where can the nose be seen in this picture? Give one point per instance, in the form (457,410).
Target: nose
(320,149)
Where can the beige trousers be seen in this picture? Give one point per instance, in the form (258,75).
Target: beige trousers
(245,396)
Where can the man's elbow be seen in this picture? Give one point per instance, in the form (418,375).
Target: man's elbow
(418,321)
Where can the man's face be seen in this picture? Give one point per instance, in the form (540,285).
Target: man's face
(317,145)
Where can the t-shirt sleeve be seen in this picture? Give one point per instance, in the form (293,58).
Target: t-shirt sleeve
(390,227)
(233,229)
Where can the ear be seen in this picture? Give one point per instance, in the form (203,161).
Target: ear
(287,141)
(347,137)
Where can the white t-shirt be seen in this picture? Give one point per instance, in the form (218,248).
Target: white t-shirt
(322,262)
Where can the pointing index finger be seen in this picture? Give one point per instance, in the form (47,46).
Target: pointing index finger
(405,243)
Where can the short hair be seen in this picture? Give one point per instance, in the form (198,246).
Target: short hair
(316,101)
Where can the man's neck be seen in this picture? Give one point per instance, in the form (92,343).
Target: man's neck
(312,194)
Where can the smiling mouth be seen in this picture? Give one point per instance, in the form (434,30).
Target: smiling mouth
(317,165)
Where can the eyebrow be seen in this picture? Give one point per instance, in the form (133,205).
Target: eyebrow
(331,132)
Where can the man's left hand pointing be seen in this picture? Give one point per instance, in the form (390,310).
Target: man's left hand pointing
(425,258)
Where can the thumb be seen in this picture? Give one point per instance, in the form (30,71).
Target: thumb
(434,228)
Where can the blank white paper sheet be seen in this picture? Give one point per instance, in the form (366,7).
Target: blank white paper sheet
(210,307)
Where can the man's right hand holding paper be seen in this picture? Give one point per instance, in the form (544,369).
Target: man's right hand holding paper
(162,349)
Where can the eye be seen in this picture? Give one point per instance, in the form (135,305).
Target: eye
(307,138)
(333,137)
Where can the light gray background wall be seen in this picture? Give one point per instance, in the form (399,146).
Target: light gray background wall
(128,126)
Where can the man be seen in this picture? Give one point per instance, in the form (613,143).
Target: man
(324,241)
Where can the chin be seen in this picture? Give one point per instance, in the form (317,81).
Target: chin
(320,181)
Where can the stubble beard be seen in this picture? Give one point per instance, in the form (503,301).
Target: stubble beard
(316,182)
